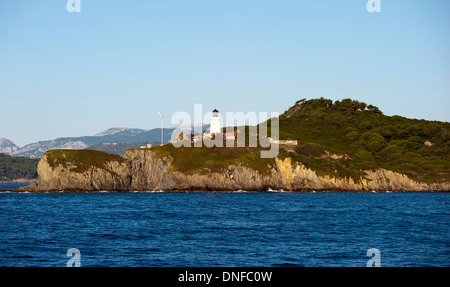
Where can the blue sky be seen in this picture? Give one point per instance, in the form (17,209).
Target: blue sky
(117,63)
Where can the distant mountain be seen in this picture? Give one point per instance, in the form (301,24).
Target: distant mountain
(113,131)
(114,135)
(36,150)
(7,146)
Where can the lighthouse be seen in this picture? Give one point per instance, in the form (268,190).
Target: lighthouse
(215,126)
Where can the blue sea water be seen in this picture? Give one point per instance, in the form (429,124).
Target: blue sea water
(225,229)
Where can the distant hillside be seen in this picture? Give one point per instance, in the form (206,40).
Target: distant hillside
(118,135)
(12,168)
(363,138)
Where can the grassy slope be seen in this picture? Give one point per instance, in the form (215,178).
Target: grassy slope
(215,159)
(83,159)
(370,138)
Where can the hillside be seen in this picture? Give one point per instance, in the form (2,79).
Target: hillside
(204,160)
(118,135)
(343,139)
(367,138)
(12,168)
(345,145)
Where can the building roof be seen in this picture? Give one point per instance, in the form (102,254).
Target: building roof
(215,111)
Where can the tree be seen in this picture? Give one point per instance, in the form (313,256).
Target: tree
(374,109)
(366,125)
(300,102)
(17,167)
(386,131)
(390,151)
(352,136)
(376,142)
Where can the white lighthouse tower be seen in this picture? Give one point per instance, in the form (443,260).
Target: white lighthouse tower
(215,126)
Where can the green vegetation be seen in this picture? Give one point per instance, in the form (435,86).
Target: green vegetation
(341,138)
(417,148)
(215,159)
(81,160)
(12,168)
(118,148)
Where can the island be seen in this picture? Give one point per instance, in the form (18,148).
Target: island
(324,145)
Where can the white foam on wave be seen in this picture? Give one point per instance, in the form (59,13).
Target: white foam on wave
(276,190)
(149,191)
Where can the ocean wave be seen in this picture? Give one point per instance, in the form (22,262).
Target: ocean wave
(276,190)
(148,191)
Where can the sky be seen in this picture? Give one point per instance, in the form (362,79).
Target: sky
(118,63)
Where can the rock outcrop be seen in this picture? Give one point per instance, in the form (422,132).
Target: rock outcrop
(143,170)
(114,176)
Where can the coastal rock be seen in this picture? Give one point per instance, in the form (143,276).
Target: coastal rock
(114,176)
(142,169)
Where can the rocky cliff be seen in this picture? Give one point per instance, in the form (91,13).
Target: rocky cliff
(114,175)
(145,169)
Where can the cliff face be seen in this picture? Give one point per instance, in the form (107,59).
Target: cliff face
(114,176)
(156,173)
(142,169)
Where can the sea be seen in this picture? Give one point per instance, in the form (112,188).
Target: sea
(216,229)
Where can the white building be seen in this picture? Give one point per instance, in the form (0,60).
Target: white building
(229,136)
(215,126)
(147,146)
